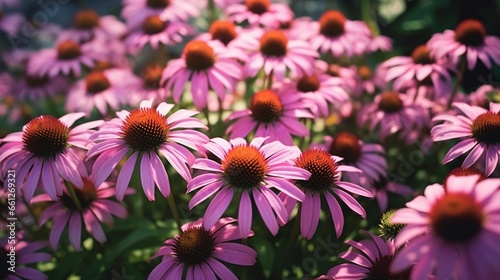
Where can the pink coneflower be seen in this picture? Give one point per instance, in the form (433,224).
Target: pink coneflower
(145,133)
(249,169)
(156,32)
(420,66)
(370,158)
(24,253)
(452,233)
(469,39)
(461,172)
(368,259)
(320,90)
(394,112)
(35,88)
(479,126)
(200,251)
(94,207)
(324,181)
(10,23)
(45,151)
(348,75)
(381,187)
(66,58)
(367,81)
(271,115)
(335,34)
(260,13)
(276,53)
(136,11)
(151,87)
(208,65)
(88,25)
(227,33)
(483,95)
(382,43)
(103,90)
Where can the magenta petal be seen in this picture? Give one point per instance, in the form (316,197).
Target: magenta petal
(336,212)
(217,207)
(57,229)
(235,253)
(245,214)
(265,211)
(148,184)
(221,271)
(160,175)
(125,175)
(75,230)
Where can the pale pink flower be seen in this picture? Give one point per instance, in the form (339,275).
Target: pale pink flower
(260,13)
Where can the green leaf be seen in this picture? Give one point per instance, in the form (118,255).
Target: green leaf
(265,251)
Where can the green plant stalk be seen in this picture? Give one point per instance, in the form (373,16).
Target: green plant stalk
(73,196)
(175,211)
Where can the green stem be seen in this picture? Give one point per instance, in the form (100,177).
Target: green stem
(291,242)
(207,117)
(30,210)
(244,241)
(212,11)
(73,196)
(460,76)
(175,211)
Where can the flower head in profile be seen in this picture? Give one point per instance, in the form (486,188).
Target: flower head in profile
(367,259)
(452,233)
(275,53)
(470,41)
(146,134)
(273,115)
(260,13)
(395,112)
(35,88)
(93,207)
(45,151)
(479,130)
(208,65)
(324,181)
(199,252)
(25,253)
(136,11)
(66,58)
(382,187)
(249,170)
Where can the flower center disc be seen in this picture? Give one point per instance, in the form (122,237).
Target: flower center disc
(421,55)
(199,56)
(486,128)
(258,6)
(308,84)
(158,4)
(153,25)
(45,136)
(346,145)
(68,50)
(266,106)
(456,217)
(274,43)
(152,76)
(390,102)
(223,31)
(33,81)
(97,82)
(194,246)
(85,196)
(322,167)
(365,73)
(470,32)
(380,270)
(145,129)
(462,171)
(332,23)
(244,167)
(86,19)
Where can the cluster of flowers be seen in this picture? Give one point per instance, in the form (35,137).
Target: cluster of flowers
(297,73)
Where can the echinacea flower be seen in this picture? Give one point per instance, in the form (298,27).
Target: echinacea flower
(88,25)
(271,114)
(320,90)
(103,90)
(251,170)
(93,208)
(461,172)
(381,187)
(46,151)
(224,31)
(483,95)
(395,112)
(334,34)
(470,41)
(35,88)
(479,127)
(368,259)
(199,252)
(420,66)
(146,133)
(66,58)
(157,32)
(208,65)
(276,53)
(24,253)
(367,81)
(324,181)
(10,23)
(260,13)
(452,233)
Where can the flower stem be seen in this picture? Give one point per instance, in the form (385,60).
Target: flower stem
(278,273)
(460,77)
(207,117)
(30,210)
(72,193)
(268,81)
(175,211)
